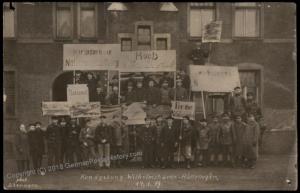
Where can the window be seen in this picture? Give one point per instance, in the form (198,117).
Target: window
(8,21)
(250,82)
(246,20)
(126,44)
(161,44)
(64,24)
(9,91)
(87,20)
(200,14)
(144,37)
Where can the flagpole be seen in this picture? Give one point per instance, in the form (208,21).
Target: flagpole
(202,96)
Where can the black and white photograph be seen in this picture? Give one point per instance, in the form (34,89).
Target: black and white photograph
(149,96)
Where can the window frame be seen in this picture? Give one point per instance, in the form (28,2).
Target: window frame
(5,70)
(166,36)
(259,8)
(143,23)
(128,39)
(71,7)
(215,8)
(15,22)
(78,22)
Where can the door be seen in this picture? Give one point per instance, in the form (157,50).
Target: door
(250,82)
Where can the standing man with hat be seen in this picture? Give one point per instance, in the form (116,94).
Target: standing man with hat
(202,141)
(103,140)
(153,94)
(214,141)
(237,103)
(73,146)
(169,142)
(185,140)
(181,93)
(240,129)
(53,137)
(117,138)
(227,140)
(140,92)
(147,137)
(130,95)
(166,94)
(64,129)
(158,139)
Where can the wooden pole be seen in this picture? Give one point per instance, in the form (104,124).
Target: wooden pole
(202,97)
(119,95)
(175,85)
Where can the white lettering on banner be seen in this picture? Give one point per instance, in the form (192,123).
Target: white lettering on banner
(183,108)
(214,78)
(148,61)
(91,56)
(77,93)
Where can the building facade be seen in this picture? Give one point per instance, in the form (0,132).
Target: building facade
(259,38)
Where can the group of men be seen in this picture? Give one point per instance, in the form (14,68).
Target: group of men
(146,90)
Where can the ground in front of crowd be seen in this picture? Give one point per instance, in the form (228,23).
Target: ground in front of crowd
(273,172)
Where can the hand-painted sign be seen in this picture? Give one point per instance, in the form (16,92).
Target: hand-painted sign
(212,32)
(183,108)
(77,93)
(55,108)
(91,109)
(214,78)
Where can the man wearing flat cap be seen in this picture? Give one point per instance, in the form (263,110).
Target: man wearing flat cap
(237,103)
(103,140)
(166,94)
(180,92)
(169,142)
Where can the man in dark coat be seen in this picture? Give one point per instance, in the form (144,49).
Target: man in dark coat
(180,92)
(117,139)
(185,140)
(36,144)
(114,96)
(169,142)
(186,81)
(64,130)
(214,141)
(227,138)
(53,137)
(202,139)
(199,55)
(92,85)
(140,92)
(158,154)
(239,127)
(73,145)
(250,142)
(237,104)
(101,95)
(147,137)
(22,149)
(167,78)
(166,94)
(153,94)
(130,95)
(103,134)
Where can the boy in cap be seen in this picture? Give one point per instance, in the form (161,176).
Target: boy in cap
(114,96)
(202,142)
(227,138)
(169,142)
(22,149)
(240,128)
(64,129)
(147,137)
(103,139)
(40,142)
(214,141)
(117,139)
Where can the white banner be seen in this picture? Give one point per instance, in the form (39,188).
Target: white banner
(183,108)
(135,113)
(77,93)
(148,61)
(91,56)
(55,108)
(214,78)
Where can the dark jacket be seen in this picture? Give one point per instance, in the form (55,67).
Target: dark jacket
(187,135)
(103,132)
(73,135)
(53,135)
(147,135)
(237,105)
(92,85)
(36,142)
(250,140)
(140,94)
(169,137)
(203,137)
(227,134)
(181,94)
(130,97)
(240,129)
(166,95)
(114,98)
(153,96)
(22,146)
(253,108)
(214,130)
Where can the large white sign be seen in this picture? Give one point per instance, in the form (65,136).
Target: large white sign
(214,78)
(148,61)
(183,108)
(55,108)
(78,93)
(91,56)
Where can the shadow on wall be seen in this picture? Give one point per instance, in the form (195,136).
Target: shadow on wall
(280,119)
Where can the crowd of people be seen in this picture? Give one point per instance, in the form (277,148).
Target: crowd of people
(230,139)
(134,89)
